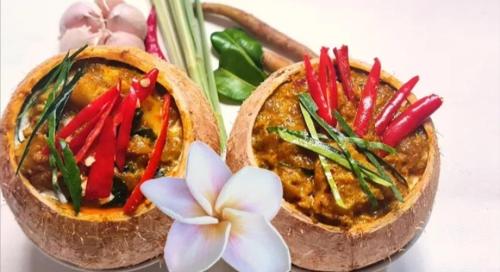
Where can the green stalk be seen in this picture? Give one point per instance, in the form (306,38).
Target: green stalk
(186,41)
(213,96)
(169,35)
(322,160)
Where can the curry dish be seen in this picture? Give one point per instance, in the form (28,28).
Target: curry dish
(303,180)
(99,76)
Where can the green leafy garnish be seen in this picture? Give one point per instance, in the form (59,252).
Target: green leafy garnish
(365,148)
(306,100)
(71,176)
(322,160)
(327,151)
(240,63)
(120,193)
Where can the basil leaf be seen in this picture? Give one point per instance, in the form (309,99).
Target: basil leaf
(71,176)
(240,63)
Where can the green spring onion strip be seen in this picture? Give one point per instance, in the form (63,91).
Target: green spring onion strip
(306,100)
(325,150)
(322,160)
(369,155)
(57,102)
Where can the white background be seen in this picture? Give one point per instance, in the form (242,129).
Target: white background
(453,45)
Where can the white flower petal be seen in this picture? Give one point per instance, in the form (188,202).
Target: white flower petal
(206,175)
(195,247)
(253,190)
(254,244)
(172,196)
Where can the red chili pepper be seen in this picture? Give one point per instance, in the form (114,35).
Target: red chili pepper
(127,111)
(145,86)
(82,153)
(137,197)
(89,111)
(328,81)
(151,40)
(414,116)
(390,109)
(79,139)
(100,179)
(342,56)
(366,105)
(316,92)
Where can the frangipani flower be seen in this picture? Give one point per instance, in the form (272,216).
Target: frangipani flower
(218,214)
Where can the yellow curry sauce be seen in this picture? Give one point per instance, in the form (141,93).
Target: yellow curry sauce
(302,176)
(100,76)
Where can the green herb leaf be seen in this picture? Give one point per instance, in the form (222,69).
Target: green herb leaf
(310,106)
(120,193)
(52,106)
(240,63)
(231,86)
(324,164)
(71,176)
(325,150)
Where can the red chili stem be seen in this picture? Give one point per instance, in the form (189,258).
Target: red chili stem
(391,108)
(137,197)
(151,41)
(82,153)
(127,111)
(145,86)
(342,56)
(414,116)
(366,105)
(89,111)
(316,92)
(100,179)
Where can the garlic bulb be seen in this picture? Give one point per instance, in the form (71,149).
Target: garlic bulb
(107,5)
(121,38)
(81,14)
(79,36)
(127,18)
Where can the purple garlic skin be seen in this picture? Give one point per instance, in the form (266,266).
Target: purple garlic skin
(81,14)
(127,18)
(79,36)
(107,5)
(121,38)
(108,22)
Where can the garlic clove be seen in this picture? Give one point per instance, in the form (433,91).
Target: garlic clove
(107,5)
(124,39)
(77,37)
(127,18)
(81,14)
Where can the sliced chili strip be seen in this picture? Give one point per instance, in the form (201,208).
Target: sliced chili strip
(323,72)
(127,111)
(342,56)
(332,92)
(316,92)
(366,105)
(100,179)
(145,86)
(414,116)
(391,108)
(89,111)
(136,196)
(82,153)
(79,139)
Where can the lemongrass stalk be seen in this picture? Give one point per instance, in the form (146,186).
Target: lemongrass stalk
(213,96)
(186,41)
(168,32)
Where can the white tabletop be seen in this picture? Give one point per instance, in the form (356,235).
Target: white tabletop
(453,45)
